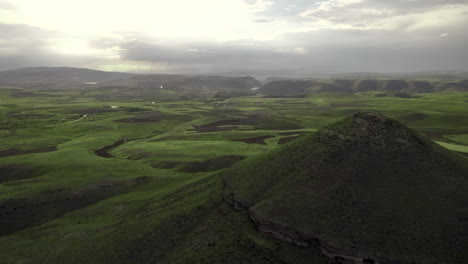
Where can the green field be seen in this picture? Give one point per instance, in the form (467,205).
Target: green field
(68,195)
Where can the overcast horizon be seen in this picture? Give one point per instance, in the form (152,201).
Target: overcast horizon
(256,37)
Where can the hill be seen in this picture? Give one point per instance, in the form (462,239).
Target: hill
(445,75)
(288,86)
(285,87)
(207,83)
(66,77)
(58,77)
(365,190)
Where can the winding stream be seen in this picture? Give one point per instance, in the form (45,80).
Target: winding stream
(104,152)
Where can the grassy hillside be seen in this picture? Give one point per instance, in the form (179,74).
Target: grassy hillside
(366,187)
(69,193)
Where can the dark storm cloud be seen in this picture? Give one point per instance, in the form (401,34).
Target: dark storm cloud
(402,5)
(43,59)
(20,31)
(313,52)
(26,46)
(388,51)
(7,5)
(18,39)
(405,4)
(367,35)
(233,56)
(348,11)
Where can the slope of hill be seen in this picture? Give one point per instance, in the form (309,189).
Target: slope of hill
(366,85)
(293,87)
(365,190)
(324,87)
(449,75)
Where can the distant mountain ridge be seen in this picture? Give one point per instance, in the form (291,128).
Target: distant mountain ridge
(209,83)
(291,86)
(441,75)
(434,75)
(57,77)
(67,77)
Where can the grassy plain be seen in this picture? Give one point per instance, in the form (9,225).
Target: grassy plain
(60,202)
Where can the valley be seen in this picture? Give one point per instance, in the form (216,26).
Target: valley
(134,173)
(233,132)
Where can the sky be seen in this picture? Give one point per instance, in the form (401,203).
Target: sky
(255,37)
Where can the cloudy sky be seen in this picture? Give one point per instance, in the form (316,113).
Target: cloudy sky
(263,37)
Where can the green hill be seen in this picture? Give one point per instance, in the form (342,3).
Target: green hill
(366,189)
(58,77)
(68,78)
